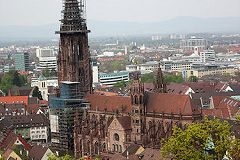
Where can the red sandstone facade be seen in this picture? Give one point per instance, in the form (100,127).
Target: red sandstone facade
(115,122)
(74,57)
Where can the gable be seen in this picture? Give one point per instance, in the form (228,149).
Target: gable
(115,125)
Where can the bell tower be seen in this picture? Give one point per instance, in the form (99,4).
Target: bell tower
(74,62)
(137,115)
(159,84)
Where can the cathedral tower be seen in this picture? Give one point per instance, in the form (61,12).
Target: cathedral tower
(137,98)
(74,57)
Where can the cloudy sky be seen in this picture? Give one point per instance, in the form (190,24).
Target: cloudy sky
(39,12)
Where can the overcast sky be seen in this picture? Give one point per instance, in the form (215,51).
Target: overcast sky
(38,12)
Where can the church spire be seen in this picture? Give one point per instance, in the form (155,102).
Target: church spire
(73,17)
(74,63)
(159,84)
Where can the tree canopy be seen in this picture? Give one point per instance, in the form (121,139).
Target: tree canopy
(10,79)
(37,93)
(150,78)
(210,139)
(174,78)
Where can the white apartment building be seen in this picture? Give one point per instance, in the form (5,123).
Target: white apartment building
(109,79)
(39,133)
(193,42)
(148,66)
(208,56)
(44,52)
(214,71)
(95,72)
(47,59)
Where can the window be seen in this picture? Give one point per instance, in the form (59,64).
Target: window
(116,137)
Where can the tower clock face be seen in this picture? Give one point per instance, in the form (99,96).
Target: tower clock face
(116,137)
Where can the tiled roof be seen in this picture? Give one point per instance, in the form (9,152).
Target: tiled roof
(9,141)
(31,120)
(201,87)
(17,108)
(224,107)
(20,91)
(125,122)
(37,152)
(14,99)
(33,108)
(109,103)
(106,93)
(176,88)
(151,154)
(170,104)
(132,149)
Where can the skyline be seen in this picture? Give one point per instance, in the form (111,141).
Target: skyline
(41,12)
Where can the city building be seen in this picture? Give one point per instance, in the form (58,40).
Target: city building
(109,79)
(208,56)
(144,68)
(45,52)
(210,71)
(193,42)
(95,73)
(46,59)
(31,127)
(21,61)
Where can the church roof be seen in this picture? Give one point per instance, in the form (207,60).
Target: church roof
(109,103)
(125,122)
(170,104)
(155,102)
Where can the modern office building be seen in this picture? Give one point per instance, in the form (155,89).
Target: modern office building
(44,52)
(95,73)
(47,59)
(208,56)
(109,79)
(21,61)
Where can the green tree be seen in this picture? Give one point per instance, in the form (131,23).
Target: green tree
(18,80)
(120,84)
(46,72)
(55,157)
(234,150)
(6,82)
(37,93)
(192,79)
(148,78)
(188,144)
(209,139)
(174,78)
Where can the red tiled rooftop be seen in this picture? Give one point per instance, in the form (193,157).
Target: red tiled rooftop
(170,104)
(110,103)
(14,99)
